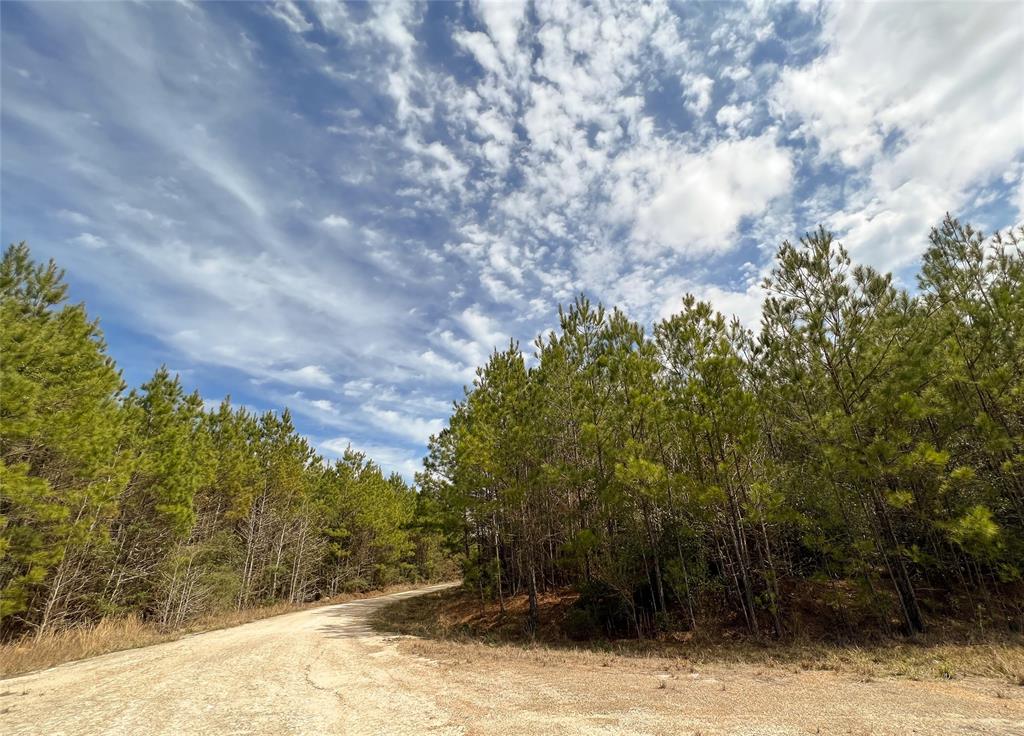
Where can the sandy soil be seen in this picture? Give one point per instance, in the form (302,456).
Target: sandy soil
(324,671)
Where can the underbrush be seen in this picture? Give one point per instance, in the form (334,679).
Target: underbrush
(458,617)
(31,653)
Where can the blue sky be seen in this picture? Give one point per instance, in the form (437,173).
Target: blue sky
(344,208)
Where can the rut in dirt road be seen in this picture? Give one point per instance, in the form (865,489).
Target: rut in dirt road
(325,671)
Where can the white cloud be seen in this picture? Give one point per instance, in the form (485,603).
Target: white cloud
(358,387)
(925,123)
(442,367)
(311,375)
(734,116)
(143,215)
(1019,196)
(698,88)
(399,424)
(76,218)
(290,13)
(90,241)
(332,15)
(701,197)
(333,220)
(437,162)
(483,335)
(745,304)
(324,405)
(392,21)
(504,21)
(482,49)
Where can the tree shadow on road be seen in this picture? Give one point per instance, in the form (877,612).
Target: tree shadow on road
(456,617)
(354,620)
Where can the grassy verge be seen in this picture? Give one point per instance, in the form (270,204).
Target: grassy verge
(33,653)
(454,617)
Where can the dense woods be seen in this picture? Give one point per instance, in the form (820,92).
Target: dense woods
(144,502)
(860,457)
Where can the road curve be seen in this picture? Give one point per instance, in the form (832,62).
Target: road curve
(322,670)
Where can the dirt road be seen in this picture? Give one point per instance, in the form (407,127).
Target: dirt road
(324,671)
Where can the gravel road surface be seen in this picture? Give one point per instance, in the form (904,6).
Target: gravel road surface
(325,671)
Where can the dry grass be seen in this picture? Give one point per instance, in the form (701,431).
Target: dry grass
(33,653)
(455,619)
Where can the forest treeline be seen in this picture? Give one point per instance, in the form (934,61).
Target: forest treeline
(143,502)
(857,461)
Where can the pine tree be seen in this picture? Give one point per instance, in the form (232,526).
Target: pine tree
(61,457)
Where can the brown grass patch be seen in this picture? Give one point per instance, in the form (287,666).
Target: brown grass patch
(32,653)
(455,618)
